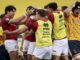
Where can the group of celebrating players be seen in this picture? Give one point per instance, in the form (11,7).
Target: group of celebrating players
(49,33)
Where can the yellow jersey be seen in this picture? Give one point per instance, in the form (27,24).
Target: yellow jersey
(43,34)
(1,36)
(73,27)
(59,29)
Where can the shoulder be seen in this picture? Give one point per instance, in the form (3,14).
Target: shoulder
(5,18)
(35,26)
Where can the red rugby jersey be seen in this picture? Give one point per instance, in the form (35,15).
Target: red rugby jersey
(29,24)
(9,27)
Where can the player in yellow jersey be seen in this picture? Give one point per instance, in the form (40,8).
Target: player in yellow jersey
(73,29)
(60,42)
(43,30)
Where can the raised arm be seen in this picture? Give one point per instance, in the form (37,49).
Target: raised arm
(67,11)
(17,20)
(18,31)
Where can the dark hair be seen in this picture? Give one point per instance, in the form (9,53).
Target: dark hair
(77,6)
(73,9)
(29,7)
(64,7)
(41,12)
(2,15)
(34,13)
(53,5)
(9,8)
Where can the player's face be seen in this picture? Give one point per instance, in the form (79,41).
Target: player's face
(30,11)
(12,13)
(77,12)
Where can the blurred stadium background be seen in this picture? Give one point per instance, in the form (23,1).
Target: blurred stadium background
(22,4)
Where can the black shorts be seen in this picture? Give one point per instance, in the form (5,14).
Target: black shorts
(3,53)
(74,47)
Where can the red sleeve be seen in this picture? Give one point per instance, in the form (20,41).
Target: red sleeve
(34,26)
(50,17)
(4,23)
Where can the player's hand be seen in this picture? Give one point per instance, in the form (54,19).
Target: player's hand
(6,32)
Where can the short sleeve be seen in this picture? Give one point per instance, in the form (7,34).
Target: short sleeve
(50,17)
(34,26)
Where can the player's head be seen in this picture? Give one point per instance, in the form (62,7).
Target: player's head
(76,8)
(29,7)
(53,6)
(40,13)
(33,15)
(10,10)
(64,7)
(30,10)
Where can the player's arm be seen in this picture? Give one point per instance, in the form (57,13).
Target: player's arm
(23,18)
(18,31)
(23,21)
(51,17)
(33,28)
(17,20)
(23,38)
(67,11)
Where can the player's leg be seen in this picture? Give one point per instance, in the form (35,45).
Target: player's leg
(57,49)
(25,48)
(48,55)
(39,53)
(31,50)
(11,46)
(75,49)
(65,50)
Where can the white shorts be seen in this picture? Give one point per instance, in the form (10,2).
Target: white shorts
(11,45)
(43,53)
(60,47)
(29,47)
(25,45)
